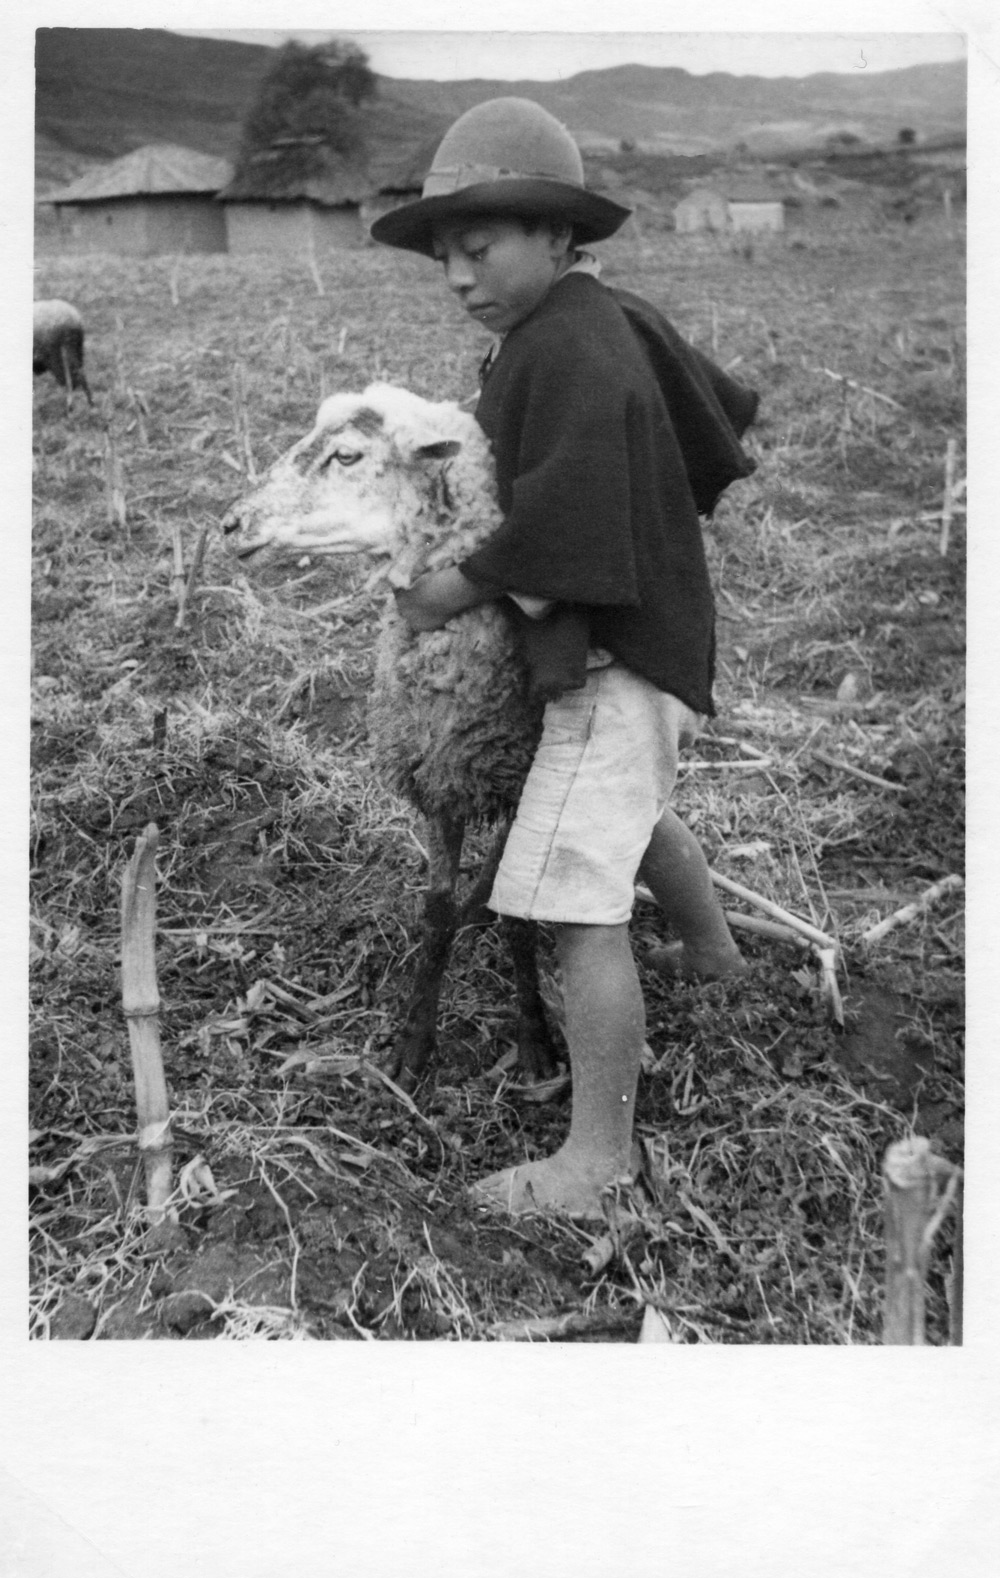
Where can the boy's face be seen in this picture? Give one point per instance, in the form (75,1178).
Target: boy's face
(497,269)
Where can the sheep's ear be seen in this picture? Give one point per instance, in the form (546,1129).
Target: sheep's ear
(440,449)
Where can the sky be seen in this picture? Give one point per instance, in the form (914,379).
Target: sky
(547,56)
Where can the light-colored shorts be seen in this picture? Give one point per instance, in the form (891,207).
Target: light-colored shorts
(600,781)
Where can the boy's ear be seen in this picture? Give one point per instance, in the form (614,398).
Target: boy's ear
(561,232)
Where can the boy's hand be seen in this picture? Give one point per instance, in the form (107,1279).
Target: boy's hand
(436,597)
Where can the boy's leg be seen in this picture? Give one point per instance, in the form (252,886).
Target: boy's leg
(675,870)
(605,1029)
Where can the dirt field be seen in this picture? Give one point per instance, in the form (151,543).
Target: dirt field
(289,881)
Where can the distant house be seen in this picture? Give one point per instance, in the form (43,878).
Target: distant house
(755,208)
(160,198)
(395,183)
(742,208)
(298,196)
(702,209)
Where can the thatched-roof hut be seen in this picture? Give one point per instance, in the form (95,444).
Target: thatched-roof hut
(739,207)
(396,181)
(702,209)
(297,195)
(160,198)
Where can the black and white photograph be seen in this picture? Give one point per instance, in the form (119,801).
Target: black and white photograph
(472,468)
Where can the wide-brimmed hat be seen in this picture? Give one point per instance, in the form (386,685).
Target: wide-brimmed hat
(504,157)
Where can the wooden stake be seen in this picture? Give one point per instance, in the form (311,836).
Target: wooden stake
(920,1189)
(948,503)
(141,1007)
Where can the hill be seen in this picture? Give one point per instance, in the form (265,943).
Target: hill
(670,110)
(100,92)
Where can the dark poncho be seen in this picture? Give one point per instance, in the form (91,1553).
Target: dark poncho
(610,434)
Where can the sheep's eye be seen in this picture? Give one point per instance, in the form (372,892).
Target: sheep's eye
(345,457)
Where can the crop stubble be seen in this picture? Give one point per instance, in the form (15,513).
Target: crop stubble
(289,879)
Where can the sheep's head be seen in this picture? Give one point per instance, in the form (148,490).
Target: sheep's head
(359,482)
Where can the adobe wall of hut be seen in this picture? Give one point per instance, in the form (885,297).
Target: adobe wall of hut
(701,210)
(757,216)
(288,229)
(158,198)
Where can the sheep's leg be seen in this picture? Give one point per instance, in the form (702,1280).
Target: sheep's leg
(536,1052)
(67,372)
(440,922)
(474,905)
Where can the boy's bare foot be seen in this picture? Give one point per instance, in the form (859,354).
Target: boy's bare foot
(555,1183)
(676,961)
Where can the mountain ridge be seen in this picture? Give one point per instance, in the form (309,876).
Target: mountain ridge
(101,92)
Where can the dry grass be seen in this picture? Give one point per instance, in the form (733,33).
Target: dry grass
(290,881)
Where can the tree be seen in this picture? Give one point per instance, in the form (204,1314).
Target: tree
(311,95)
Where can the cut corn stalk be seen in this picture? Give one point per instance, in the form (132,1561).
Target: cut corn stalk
(829,991)
(857,772)
(789,929)
(756,764)
(920,1189)
(141,1007)
(195,570)
(911,911)
(654,1326)
(177,580)
(852,383)
(793,922)
(114,481)
(948,501)
(765,928)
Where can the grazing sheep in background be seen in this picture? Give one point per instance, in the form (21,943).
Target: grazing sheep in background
(387,473)
(57,346)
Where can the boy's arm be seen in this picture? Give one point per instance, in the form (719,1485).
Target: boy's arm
(436,597)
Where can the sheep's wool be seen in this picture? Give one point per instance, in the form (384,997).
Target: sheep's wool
(57,333)
(387,472)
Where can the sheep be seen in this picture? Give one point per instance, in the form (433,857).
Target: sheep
(57,346)
(388,474)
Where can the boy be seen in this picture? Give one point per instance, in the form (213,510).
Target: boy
(610,434)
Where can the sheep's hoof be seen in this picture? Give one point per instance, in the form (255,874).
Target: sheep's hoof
(407,1061)
(537,1057)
